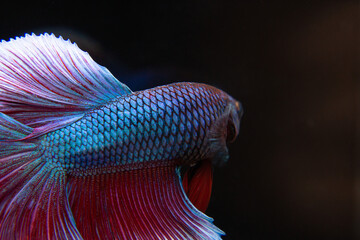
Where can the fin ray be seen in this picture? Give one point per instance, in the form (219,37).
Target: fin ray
(198,189)
(33,199)
(44,79)
(198,186)
(138,204)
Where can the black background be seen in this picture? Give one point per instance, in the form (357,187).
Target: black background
(292,171)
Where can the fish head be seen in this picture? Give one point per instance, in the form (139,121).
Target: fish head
(198,176)
(224,130)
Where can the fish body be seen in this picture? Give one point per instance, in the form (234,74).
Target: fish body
(84,157)
(168,123)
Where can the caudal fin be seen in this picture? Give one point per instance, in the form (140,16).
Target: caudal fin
(33,202)
(46,83)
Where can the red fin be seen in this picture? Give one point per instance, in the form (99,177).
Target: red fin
(33,202)
(185,181)
(198,188)
(47,83)
(137,204)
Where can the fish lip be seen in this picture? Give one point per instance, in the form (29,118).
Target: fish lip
(239,109)
(234,120)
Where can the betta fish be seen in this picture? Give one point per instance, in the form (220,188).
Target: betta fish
(84,157)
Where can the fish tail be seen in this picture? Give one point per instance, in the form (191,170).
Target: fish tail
(33,202)
(46,83)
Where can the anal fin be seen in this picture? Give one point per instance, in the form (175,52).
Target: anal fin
(138,204)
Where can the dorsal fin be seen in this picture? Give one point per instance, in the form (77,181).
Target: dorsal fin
(47,82)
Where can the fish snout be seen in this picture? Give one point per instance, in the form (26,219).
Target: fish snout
(239,109)
(233,123)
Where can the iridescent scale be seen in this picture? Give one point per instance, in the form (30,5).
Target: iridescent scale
(153,126)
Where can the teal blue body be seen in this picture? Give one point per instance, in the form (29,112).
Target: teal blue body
(161,124)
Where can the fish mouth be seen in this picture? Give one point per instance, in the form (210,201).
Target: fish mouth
(233,122)
(239,108)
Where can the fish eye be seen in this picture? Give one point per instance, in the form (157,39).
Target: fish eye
(230,131)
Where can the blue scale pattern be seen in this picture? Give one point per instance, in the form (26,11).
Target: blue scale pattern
(160,124)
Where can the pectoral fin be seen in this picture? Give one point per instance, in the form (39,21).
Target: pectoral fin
(197,184)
